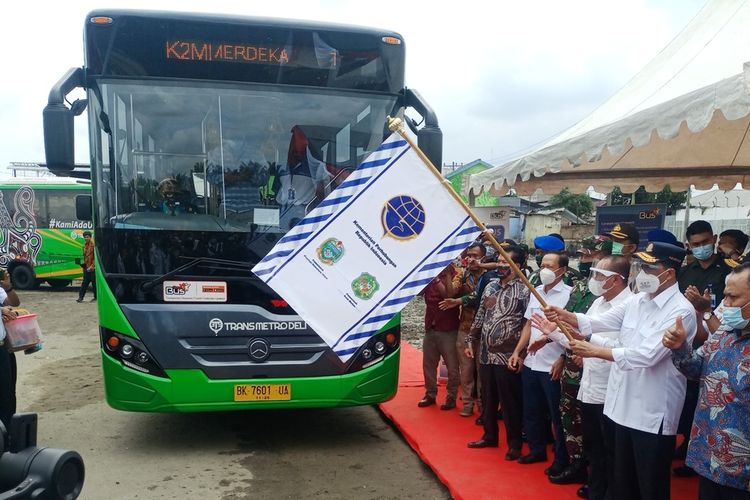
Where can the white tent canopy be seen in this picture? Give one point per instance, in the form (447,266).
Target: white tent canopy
(683,119)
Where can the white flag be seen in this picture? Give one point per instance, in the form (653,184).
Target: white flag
(366,250)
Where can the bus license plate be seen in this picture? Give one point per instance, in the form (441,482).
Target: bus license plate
(262,392)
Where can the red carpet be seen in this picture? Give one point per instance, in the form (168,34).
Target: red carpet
(440,437)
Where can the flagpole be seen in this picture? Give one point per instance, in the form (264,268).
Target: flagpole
(397,125)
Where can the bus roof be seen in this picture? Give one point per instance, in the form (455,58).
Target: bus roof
(211,47)
(242,20)
(42,182)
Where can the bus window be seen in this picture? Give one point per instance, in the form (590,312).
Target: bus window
(58,207)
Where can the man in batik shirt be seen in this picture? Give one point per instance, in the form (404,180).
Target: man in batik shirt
(719,449)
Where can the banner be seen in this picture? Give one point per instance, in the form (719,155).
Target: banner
(366,250)
(644,217)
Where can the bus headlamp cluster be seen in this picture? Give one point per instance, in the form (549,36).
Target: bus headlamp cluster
(130,352)
(375,349)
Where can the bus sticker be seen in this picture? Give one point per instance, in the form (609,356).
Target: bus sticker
(195,291)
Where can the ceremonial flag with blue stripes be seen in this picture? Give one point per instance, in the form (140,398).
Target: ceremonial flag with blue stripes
(365,251)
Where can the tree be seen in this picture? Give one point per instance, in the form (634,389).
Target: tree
(579,204)
(666,195)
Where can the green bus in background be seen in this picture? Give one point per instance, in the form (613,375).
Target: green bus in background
(210,137)
(40,237)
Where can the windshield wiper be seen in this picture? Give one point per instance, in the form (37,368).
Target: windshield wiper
(223,264)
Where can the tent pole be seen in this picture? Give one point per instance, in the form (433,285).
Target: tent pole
(687,212)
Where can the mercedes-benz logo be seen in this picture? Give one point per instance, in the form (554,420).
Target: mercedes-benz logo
(259,350)
(216,324)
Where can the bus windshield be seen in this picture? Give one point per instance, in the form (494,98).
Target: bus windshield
(235,158)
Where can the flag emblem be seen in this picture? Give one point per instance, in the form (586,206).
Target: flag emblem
(403,217)
(365,286)
(331,251)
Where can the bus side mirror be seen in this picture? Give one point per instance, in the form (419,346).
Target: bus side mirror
(84,204)
(58,137)
(430,140)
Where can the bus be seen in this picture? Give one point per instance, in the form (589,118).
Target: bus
(211,136)
(41,239)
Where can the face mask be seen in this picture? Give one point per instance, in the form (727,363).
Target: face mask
(647,282)
(504,272)
(596,287)
(703,253)
(617,248)
(584,268)
(538,259)
(732,318)
(547,276)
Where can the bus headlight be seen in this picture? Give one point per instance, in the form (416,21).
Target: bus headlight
(129,351)
(379,347)
(126,351)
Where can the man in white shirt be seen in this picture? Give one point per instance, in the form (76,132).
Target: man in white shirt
(609,282)
(541,391)
(645,392)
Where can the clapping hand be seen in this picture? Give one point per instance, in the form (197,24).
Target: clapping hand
(675,335)
(701,302)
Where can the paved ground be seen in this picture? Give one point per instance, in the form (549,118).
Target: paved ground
(342,453)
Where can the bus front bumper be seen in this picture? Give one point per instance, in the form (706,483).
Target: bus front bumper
(191,391)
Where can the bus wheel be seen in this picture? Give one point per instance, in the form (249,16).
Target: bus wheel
(59,283)
(23,278)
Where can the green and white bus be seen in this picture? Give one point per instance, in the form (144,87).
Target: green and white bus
(41,239)
(210,136)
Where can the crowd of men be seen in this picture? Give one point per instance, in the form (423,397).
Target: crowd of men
(610,362)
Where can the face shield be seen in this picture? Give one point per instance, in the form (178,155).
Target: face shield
(647,276)
(598,279)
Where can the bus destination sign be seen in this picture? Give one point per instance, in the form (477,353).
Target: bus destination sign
(230,52)
(319,55)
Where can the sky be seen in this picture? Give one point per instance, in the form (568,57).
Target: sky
(501,76)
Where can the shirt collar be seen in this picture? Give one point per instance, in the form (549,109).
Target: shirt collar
(558,288)
(665,295)
(624,295)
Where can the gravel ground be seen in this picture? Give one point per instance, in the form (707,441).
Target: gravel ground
(412,322)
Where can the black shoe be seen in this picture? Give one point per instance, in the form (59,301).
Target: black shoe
(583,491)
(479,421)
(554,469)
(482,443)
(684,471)
(513,454)
(79,300)
(573,473)
(426,401)
(532,459)
(448,405)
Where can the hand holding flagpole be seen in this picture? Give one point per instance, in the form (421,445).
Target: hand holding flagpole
(397,125)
